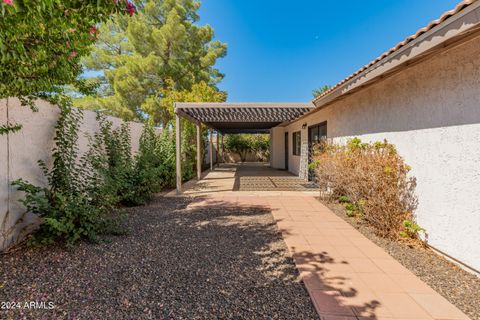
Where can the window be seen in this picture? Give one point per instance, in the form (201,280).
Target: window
(297,142)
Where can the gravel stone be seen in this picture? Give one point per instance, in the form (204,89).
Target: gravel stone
(212,262)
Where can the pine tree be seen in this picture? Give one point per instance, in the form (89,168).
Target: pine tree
(151,57)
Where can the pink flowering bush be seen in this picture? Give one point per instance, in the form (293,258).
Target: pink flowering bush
(42,41)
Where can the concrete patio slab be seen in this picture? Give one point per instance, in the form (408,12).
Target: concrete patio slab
(254,179)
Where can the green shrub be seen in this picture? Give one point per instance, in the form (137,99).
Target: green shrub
(65,206)
(411,229)
(112,163)
(121,178)
(83,193)
(42,42)
(242,144)
(154,167)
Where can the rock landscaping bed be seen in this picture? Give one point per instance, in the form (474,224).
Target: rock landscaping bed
(175,262)
(458,286)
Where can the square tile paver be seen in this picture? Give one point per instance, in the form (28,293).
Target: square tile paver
(329,303)
(437,306)
(401,305)
(380,283)
(363,265)
(390,266)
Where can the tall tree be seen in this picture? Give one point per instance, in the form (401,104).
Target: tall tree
(149,57)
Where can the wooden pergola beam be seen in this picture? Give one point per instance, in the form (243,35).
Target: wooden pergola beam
(210,148)
(199,151)
(178,153)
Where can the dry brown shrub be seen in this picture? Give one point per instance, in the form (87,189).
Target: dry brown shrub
(373,179)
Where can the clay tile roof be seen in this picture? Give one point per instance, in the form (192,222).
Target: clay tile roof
(462,5)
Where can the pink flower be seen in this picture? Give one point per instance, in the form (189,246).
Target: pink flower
(73,54)
(8,2)
(93,30)
(130,8)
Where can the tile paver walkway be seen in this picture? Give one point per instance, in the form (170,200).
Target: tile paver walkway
(346,275)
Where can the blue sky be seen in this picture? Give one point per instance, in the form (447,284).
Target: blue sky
(281,50)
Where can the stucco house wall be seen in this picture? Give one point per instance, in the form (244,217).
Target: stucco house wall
(20,152)
(277,148)
(431,112)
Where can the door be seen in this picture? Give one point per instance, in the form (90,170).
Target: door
(316,133)
(286,150)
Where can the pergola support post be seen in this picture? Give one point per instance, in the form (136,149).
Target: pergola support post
(210,149)
(223,151)
(217,150)
(199,150)
(178,153)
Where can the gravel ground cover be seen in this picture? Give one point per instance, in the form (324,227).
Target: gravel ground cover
(458,286)
(219,262)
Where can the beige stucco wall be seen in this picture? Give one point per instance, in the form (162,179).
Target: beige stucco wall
(20,152)
(277,148)
(431,112)
(232,157)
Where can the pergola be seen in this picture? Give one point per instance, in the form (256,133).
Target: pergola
(227,118)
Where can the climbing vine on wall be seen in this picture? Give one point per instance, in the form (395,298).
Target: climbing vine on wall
(84,190)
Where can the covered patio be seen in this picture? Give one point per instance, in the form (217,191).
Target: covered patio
(246,178)
(346,274)
(225,118)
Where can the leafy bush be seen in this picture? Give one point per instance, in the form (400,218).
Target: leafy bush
(65,206)
(112,163)
(126,179)
(154,167)
(411,229)
(41,43)
(371,180)
(237,143)
(83,191)
(242,144)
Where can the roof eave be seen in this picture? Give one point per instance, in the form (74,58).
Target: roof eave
(458,25)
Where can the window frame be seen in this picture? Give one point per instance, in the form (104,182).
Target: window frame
(297,145)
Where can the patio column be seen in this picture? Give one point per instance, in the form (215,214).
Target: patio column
(223,151)
(178,154)
(210,149)
(217,151)
(199,151)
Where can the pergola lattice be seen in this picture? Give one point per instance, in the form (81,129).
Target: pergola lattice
(232,118)
(241,117)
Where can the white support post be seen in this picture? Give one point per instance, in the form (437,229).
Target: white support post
(199,151)
(210,149)
(217,151)
(178,153)
(223,151)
